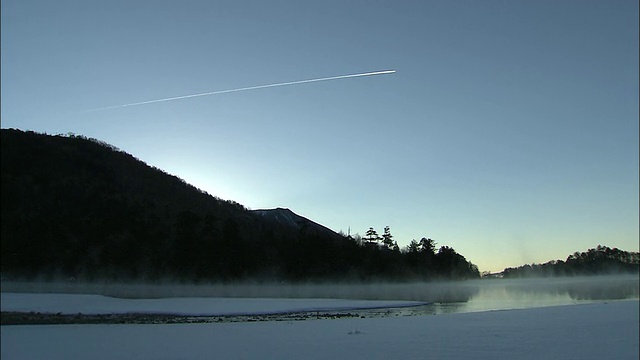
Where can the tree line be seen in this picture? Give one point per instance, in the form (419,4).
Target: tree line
(598,261)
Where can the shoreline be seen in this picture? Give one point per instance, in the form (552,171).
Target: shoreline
(20,318)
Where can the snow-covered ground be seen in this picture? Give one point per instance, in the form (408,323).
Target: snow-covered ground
(606,330)
(98,304)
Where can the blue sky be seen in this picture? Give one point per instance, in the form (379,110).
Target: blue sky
(509,131)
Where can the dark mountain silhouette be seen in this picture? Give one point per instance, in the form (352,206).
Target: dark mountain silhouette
(78,207)
(290,219)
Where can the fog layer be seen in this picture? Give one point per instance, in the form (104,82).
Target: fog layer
(577,288)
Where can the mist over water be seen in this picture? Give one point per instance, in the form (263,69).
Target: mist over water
(418,291)
(501,294)
(444,297)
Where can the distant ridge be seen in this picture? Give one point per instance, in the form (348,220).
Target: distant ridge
(286,217)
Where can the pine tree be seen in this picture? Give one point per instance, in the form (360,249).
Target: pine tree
(372,236)
(387,238)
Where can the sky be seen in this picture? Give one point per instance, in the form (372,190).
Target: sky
(509,130)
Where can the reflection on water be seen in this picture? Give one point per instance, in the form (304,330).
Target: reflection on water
(500,294)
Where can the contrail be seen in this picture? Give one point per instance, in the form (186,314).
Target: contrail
(246,88)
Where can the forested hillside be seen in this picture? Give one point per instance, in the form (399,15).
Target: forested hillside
(602,260)
(75,207)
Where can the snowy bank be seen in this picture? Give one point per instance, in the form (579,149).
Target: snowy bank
(98,304)
(589,331)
